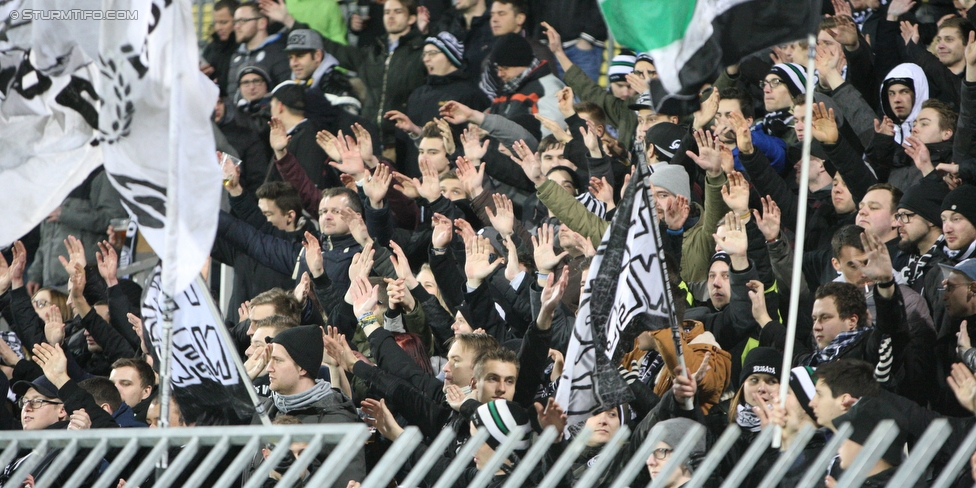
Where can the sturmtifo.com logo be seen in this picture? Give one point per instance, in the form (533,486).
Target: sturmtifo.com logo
(74,14)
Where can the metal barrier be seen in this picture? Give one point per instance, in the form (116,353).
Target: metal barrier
(343,441)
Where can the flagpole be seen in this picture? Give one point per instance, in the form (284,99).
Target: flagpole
(801,225)
(645,176)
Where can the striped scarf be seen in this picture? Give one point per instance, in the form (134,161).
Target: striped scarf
(512,86)
(918,263)
(837,345)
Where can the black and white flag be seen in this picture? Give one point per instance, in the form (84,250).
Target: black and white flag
(624,295)
(205,379)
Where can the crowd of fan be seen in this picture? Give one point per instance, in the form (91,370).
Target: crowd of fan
(420,191)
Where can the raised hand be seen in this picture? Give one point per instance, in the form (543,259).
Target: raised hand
(365,145)
(402,266)
(377,185)
(474,149)
(734,242)
(963,384)
(364,296)
(707,112)
(53,325)
(443,231)
(897,8)
(685,386)
(757,294)
(403,122)
(380,418)
(279,137)
(504,220)
(770,219)
(846,31)
(76,289)
(357,227)
(17,265)
(565,99)
(4,275)
(828,64)
(886,126)
(423,18)
(743,133)
(551,415)
(677,212)
(231,167)
(963,343)
(352,158)
(558,132)
(463,228)
(52,360)
(428,186)
(108,263)
(824,125)
(919,152)
(459,113)
(472,179)
(313,255)
(877,262)
(638,84)
(512,268)
(79,420)
(527,160)
(301,290)
(555,40)
(841,7)
(445,129)
(257,364)
(602,190)
(477,266)
(552,294)
(329,143)
(709,157)
(362,263)
(970,55)
(909,32)
(736,194)
(545,256)
(591,139)
(76,255)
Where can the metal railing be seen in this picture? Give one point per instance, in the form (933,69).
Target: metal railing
(341,443)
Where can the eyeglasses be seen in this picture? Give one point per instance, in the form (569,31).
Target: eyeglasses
(662,453)
(948,287)
(40,303)
(244,21)
(904,218)
(252,82)
(36,403)
(773,83)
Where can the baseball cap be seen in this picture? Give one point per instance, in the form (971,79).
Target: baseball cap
(966,267)
(303,40)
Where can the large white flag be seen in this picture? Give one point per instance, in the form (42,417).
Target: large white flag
(156,133)
(624,295)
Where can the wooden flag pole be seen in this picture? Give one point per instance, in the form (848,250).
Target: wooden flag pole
(801,224)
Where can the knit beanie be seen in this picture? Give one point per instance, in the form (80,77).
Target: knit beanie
(450,46)
(793,75)
(643,57)
(864,416)
(512,50)
(620,66)
(672,178)
(304,345)
(804,387)
(962,200)
(674,431)
(925,199)
(764,360)
(720,256)
(666,138)
(247,70)
(499,417)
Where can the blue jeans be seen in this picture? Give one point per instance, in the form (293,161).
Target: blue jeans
(588,61)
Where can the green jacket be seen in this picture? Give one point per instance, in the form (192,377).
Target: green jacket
(324,17)
(618,115)
(697,247)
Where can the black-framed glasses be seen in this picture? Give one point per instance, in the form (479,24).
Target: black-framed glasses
(773,83)
(254,82)
(40,303)
(904,217)
(36,403)
(244,21)
(662,453)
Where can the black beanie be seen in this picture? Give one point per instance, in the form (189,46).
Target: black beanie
(512,50)
(925,199)
(864,416)
(962,200)
(304,345)
(720,256)
(765,360)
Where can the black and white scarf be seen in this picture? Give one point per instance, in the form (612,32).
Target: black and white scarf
(960,255)
(837,345)
(512,86)
(777,123)
(650,366)
(917,263)
(746,418)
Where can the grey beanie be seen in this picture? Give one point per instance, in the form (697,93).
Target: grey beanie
(675,431)
(672,178)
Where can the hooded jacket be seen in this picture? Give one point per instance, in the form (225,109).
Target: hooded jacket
(333,84)
(912,76)
(269,56)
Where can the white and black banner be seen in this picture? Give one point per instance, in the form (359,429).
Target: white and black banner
(204,375)
(624,295)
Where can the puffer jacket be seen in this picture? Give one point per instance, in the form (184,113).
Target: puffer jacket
(695,342)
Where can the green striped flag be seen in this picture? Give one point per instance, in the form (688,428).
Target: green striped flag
(690,40)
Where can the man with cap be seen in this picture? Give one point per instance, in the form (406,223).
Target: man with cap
(257,47)
(527,84)
(864,417)
(959,300)
(443,56)
(253,98)
(661,142)
(509,17)
(646,118)
(295,357)
(499,418)
(314,69)
(288,104)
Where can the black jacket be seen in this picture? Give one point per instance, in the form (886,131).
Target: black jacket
(310,156)
(572,19)
(218,54)
(477,40)
(269,56)
(255,151)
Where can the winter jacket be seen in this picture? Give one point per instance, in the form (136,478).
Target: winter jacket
(85,214)
(333,408)
(218,54)
(696,249)
(914,73)
(389,78)
(269,56)
(963,149)
(618,114)
(477,40)
(695,342)
(572,19)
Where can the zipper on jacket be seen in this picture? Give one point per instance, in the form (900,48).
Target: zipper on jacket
(386,74)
